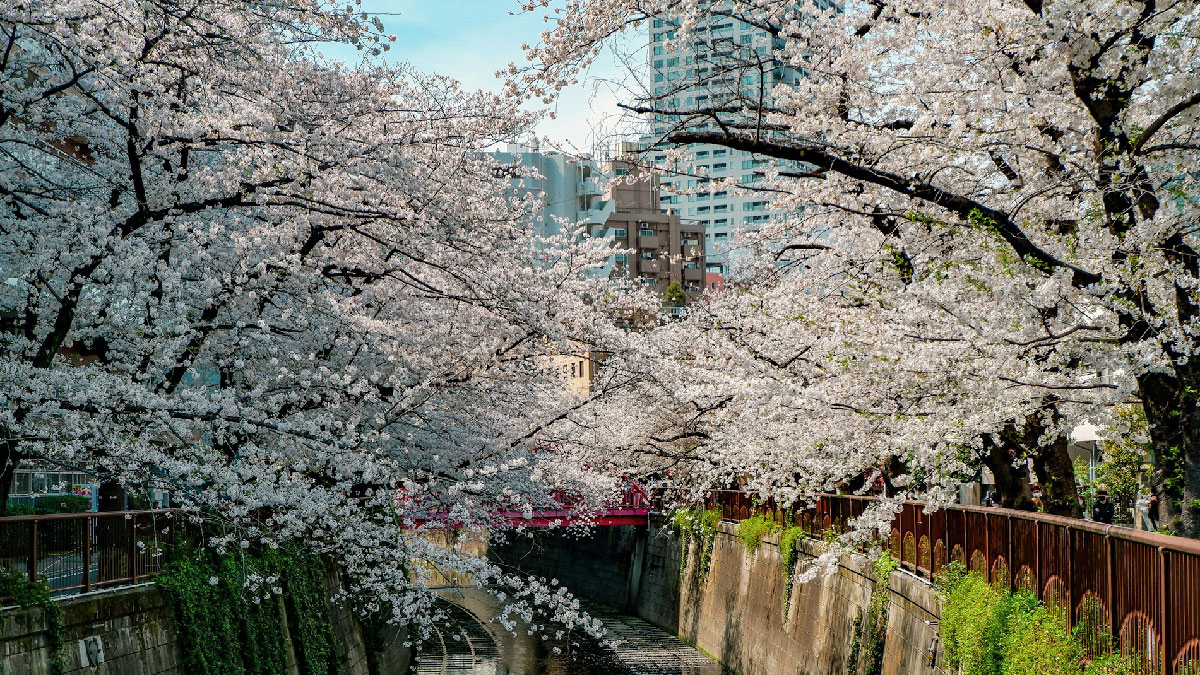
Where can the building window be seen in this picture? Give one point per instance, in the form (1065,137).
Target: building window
(647,255)
(619,233)
(645,233)
(620,257)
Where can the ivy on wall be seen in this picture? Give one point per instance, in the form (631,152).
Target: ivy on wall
(230,611)
(787,561)
(17,589)
(870,631)
(699,527)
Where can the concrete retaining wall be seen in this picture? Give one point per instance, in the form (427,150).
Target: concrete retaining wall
(131,631)
(736,612)
(601,565)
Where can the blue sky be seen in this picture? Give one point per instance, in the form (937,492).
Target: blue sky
(471,39)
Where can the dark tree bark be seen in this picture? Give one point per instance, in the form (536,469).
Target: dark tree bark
(1056,473)
(1012,483)
(8,472)
(110,496)
(1171,409)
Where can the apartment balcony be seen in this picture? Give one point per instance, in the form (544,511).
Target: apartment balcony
(650,266)
(693,275)
(647,241)
(590,186)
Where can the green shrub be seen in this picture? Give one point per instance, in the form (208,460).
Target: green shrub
(973,622)
(18,510)
(1038,642)
(48,504)
(754,529)
(1116,663)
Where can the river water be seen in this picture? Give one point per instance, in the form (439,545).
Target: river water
(472,642)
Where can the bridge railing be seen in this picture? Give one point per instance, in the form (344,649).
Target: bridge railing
(80,552)
(1134,590)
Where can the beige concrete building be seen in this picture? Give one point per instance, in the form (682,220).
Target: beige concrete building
(662,247)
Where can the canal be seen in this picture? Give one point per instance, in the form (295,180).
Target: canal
(471,641)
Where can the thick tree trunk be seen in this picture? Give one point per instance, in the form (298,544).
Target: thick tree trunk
(1012,483)
(8,472)
(1170,402)
(110,496)
(1056,473)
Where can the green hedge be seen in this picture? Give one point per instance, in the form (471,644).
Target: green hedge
(754,529)
(48,504)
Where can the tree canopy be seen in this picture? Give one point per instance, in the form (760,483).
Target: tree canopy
(295,292)
(987,231)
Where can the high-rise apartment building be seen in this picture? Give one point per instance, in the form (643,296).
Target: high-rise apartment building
(727,65)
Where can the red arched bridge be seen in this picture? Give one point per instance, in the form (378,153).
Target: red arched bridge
(631,507)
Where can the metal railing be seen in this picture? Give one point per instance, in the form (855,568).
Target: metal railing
(81,552)
(1137,591)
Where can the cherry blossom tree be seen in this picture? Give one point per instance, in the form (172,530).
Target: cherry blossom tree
(992,231)
(296,293)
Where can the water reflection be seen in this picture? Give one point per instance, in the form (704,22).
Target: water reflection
(472,641)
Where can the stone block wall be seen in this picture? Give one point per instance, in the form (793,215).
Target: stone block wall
(602,565)
(130,630)
(736,613)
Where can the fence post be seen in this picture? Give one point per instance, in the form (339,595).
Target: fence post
(1165,665)
(1010,564)
(1037,561)
(31,566)
(987,547)
(1110,601)
(87,553)
(132,548)
(1070,565)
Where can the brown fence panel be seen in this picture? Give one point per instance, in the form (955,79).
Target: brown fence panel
(80,552)
(1025,549)
(1137,600)
(1181,610)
